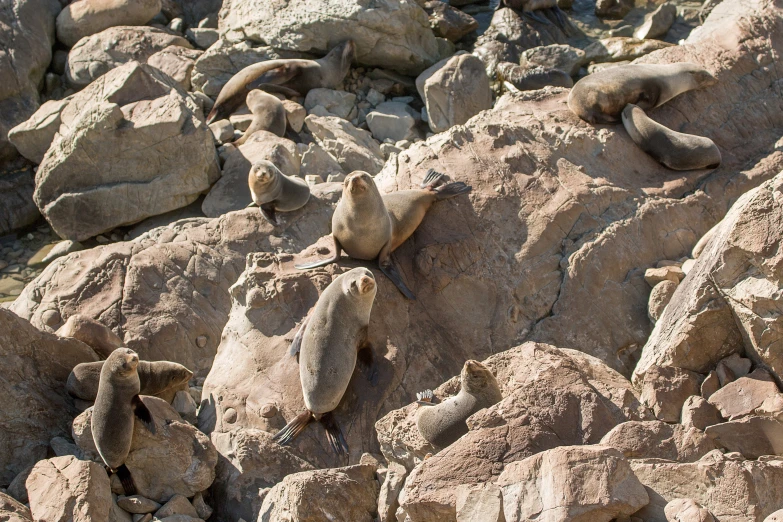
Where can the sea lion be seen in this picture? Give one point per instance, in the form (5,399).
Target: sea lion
(155,377)
(292,77)
(92,333)
(444,423)
(675,150)
(272,190)
(368,225)
(116,406)
(601,97)
(329,343)
(268,114)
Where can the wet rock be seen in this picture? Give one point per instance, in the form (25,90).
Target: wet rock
(659,297)
(562,57)
(65,488)
(750,436)
(85,18)
(658,440)
(448,22)
(619,48)
(657,23)
(337,103)
(686,510)
(393,120)
(33,137)
(666,388)
(744,395)
(354,149)
(615,9)
(698,413)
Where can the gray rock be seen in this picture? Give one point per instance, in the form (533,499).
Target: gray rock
(337,103)
(562,57)
(33,137)
(354,149)
(395,121)
(222,130)
(449,22)
(201,37)
(178,62)
(620,48)
(316,161)
(657,23)
(85,18)
(17,209)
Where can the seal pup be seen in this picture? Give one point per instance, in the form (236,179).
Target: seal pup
(675,150)
(268,114)
(442,424)
(601,97)
(292,77)
(329,343)
(113,414)
(155,377)
(94,334)
(272,190)
(368,225)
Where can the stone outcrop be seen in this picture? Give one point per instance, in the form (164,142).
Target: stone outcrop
(65,488)
(659,440)
(352,148)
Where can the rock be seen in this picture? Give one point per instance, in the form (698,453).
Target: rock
(698,413)
(88,17)
(771,407)
(449,22)
(185,405)
(562,57)
(17,209)
(657,23)
(728,486)
(36,368)
(177,505)
(96,55)
(33,137)
(354,149)
(703,241)
(619,48)
(480,503)
(63,447)
(222,130)
(65,488)
(658,440)
(526,79)
(732,368)
(571,483)
(454,90)
(203,38)
(231,191)
(295,114)
(13,511)
(317,162)
(666,388)
(744,395)
(337,103)
(137,504)
(393,120)
(178,62)
(686,510)
(394,34)
(241,119)
(352,496)
(176,460)
(180,518)
(615,9)
(203,510)
(313,180)
(653,276)
(659,297)
(750,436)
(142,108)
(390,490)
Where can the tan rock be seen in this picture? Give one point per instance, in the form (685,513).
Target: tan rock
(354,149)
(177,505)
(698,413)
(660,296)
(665,390)
(33,137)
(86,18)
(771,407)
(390,490)
(653,276)
(658,440)
(480,503)
(750,436)
(686,510)
(710,385)
(744,395)
(13,511)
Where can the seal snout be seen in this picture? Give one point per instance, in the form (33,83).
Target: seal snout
(366,284)
(356,183)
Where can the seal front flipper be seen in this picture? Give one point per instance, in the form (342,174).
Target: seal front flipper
(338,250)
(334,434)
(124,474)
(268,211)
(532,15)
(142,413)
(388,269)
(365,362)
(293,428)
(296,344)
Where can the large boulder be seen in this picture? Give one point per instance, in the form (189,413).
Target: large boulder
(131,145)
(36,406)
(394,34)
(87,17)
(33,137)
(659,440)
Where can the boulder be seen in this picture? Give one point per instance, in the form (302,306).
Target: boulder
(732,367)
(37,409)
(666,388)
(657,23)
(295,114)
(65,489)
(17,208)
(87,17)
(615,9)
(197,12)
(659,297)
(122,118)
(686,510)
(390,490)
(557,56)
(744,395)
(750,436)
(658,440)
(620,48)
(454,90)
(571,483)
(653,276)
(176,460)
(13,511)
(178,62)
(480,503)
(33,137)
(710,385)
(528,79)
(317,162)
(337,103)
(354,149)
(177,505)
(393,120)
(698,413)
(449,22)
(394,34)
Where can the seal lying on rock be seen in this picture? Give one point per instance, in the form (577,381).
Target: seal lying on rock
(329,343)
(155,377)
(675,150)
(272,190)
(444,423)
(601,97)
(268,114)
(292,77)
(116,406)
(368,225)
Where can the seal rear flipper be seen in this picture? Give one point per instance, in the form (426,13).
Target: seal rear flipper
(452,189)
(293,428)
(562,19)
(338,250)
(388,269)
(334,434)
(432,179)
(142,413)
(296,344)
(268,211)
(366,364)
(124,474)
(426,398)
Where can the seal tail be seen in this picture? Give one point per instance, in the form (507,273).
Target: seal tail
(124,474)
(293,428)
(334,434)
(452,189)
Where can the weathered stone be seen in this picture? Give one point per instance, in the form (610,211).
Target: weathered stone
(686,510)
(562,57)
(337,103)
(657,23)
(17,209)
(33,137)
(137,504)
(354,149)
(66,489)
(448,22)
(393,120)
(710,385)
(390,490)
(619,48)
(222,130)
(177,505)
(87,17)
(317,162)
(659,297)
(744,395)
(202,37)
(13,511)
(658,440)
(528,79)
(295,114)
(698,413)
(616,9)
(202,508)
(666,388)
(751,436)
(177,62)
(732,367)
(480,503)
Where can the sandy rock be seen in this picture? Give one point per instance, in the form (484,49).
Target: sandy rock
(142,108)
(33,137)
(659,297)
(571,483)
(665,389)
(177,459)
(710,385)
(653,276)
(615,9)
(88,17)
(750,436)
(177,505)
(352,496)
(698,413)
(732,368)
(562,57)
(17,209)
(354,149)
(13,511)
(744,395)
(657,23)
(394,34)
(658,440)
(454,90)
(480,503)
(317,162)
(337,103)
(448,22)
(137,504)
(177,62)
(65,488)
(619,48)
(393,120)
(686,510)
(295,114)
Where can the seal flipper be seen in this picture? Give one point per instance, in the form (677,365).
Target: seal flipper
(296,344)
(124,474)
(562,20)
(432,179)
(282,74)
(268,211)
(292,430)
(452,189)
(366,364)
(532,15)
(338,250)
(142,413)
(334,434)
(388,269)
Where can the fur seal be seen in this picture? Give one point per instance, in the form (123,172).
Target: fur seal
(155,377)
(368,225)
(113,414)
(330,342)
(442,424)
(292,77)
(92,333)
(268,114)
(675,150)
(272,190)
(601,97)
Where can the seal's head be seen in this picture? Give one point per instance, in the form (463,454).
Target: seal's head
(339,61)
(262,173)
(357,183)
(122,362)
(359,283)
(699,76)
(475,376)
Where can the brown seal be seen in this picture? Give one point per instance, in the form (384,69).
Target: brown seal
(329,343)
(272,190)
(92,333)
(601,97)
(444,423)
(268,115)
(292,77)
(155,378)
(675,150)
(369,226)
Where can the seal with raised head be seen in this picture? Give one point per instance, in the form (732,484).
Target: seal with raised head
(116,407)
(272,190)
(268,115)
(292,77)
(675,150)
(94,334)
(330,342)
(369,226)
(442,424)
(155,377)
(601,97)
